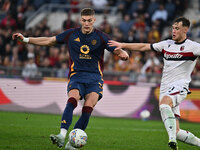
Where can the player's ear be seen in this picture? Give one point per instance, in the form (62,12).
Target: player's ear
(186,30)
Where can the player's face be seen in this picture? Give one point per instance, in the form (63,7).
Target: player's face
(87,23)
(179,32)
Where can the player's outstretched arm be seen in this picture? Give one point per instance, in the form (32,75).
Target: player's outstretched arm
(123,55)
(130,46)
(41,41)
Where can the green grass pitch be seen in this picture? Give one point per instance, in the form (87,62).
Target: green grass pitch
(23,131)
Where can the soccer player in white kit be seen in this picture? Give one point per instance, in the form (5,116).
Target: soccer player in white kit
(180,56)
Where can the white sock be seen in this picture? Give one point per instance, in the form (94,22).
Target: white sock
(169,121)
(188,137)
(63,132)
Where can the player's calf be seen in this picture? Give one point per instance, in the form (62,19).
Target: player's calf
(188,137)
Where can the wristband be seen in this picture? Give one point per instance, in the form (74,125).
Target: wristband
(25,40)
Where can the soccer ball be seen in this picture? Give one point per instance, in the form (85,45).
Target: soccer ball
(145,114)
(77,138)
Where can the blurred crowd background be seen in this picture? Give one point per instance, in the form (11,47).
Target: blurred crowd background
(141,21)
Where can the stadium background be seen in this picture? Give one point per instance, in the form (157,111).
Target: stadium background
(33,78)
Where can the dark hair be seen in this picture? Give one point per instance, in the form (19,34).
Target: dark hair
(185,21)
(87,12)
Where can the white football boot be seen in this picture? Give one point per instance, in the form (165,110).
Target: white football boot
(68,146)
(59,140)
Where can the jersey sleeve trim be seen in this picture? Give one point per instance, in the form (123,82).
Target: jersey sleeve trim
(152,48)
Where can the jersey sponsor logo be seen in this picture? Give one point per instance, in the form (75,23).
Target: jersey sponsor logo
(83,56)
(178,56)
(77,39)
(85,50)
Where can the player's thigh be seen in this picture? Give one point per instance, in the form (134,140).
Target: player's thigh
(96,87)
(91,99)
(75,89)
(74,93)
(174,96)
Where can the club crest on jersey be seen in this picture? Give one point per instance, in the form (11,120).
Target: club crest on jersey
(182,48)
(94,42)
(77,39)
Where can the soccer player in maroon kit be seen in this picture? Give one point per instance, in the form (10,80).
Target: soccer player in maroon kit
(179,56)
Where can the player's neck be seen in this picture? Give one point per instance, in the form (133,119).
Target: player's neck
(181,41)
(84,32)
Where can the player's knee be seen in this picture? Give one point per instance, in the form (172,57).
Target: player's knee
(90,105)
(166,100)
(73,101)
(87,109)
(164,106)
(90,102)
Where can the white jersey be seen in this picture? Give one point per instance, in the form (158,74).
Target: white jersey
(179,61)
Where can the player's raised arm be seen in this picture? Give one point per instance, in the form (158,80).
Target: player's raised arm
(130,46)
(41,41)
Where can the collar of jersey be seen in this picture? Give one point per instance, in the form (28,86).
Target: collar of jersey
(180,42)
(86,34)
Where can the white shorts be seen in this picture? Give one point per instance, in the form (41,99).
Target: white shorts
(177,93)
